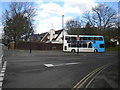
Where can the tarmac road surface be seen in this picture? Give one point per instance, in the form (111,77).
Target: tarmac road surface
(52,69)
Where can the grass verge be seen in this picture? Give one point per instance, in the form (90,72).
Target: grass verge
(117,48)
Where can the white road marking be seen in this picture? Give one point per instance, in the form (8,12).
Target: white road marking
(2,73)
(1,57)
(1,84)
(49,65)
(1,79)
(63,64)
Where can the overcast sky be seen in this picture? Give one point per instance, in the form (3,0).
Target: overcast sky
(50,11)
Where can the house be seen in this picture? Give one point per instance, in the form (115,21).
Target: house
(44,37)
(115,40)
(35,37)
(53,36)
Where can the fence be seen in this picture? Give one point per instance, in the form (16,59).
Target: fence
(48,46)
(38,46)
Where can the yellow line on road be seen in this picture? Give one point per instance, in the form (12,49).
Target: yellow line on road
(81,82)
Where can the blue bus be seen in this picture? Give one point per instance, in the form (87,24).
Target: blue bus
(83,43)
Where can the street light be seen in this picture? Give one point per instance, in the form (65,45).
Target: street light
(63,26)
(30,43)
(26,15)
(62,21)
(78,38)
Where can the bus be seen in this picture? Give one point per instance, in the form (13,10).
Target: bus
(83,43)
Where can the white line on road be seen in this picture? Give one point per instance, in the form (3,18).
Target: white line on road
(63,64)
(1,57)
(2,73)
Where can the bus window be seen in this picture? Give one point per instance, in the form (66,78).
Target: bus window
(73,45)
(73,39)
(101,45)
(100,39)
(68,45)
(84,38)
(81,38)
(96,38)
(67,38)
(84,45)
(79,45)
(65,47)
(90,38)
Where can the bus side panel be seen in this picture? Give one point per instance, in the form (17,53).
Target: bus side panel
(97,46)
(101,50)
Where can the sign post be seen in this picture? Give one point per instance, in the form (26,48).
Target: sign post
(78,38)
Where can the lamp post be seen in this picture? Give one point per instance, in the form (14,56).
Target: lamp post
(78,38)
(62,21)
(63,26)
(30,43)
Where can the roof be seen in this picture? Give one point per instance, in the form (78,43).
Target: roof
(58,32)
(42,34)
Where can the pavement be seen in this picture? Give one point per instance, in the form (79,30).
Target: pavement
(56,69)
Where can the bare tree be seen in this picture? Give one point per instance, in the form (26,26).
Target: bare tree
(73,26)
(102,16)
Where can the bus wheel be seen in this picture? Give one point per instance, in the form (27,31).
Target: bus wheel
(95,50)
(73,50)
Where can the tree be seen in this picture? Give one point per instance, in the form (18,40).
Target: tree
(88,29)
(102,16)
(73,26)
(18,20)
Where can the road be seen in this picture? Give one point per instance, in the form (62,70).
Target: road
(51,69)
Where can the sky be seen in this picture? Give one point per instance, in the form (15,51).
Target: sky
(49,12)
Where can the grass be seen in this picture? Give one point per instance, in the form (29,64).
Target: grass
(117,48)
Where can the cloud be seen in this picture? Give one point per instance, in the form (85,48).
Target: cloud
(50,23)
(79,5)
(107,0)
(48,9)
(22,0)
(49,13)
